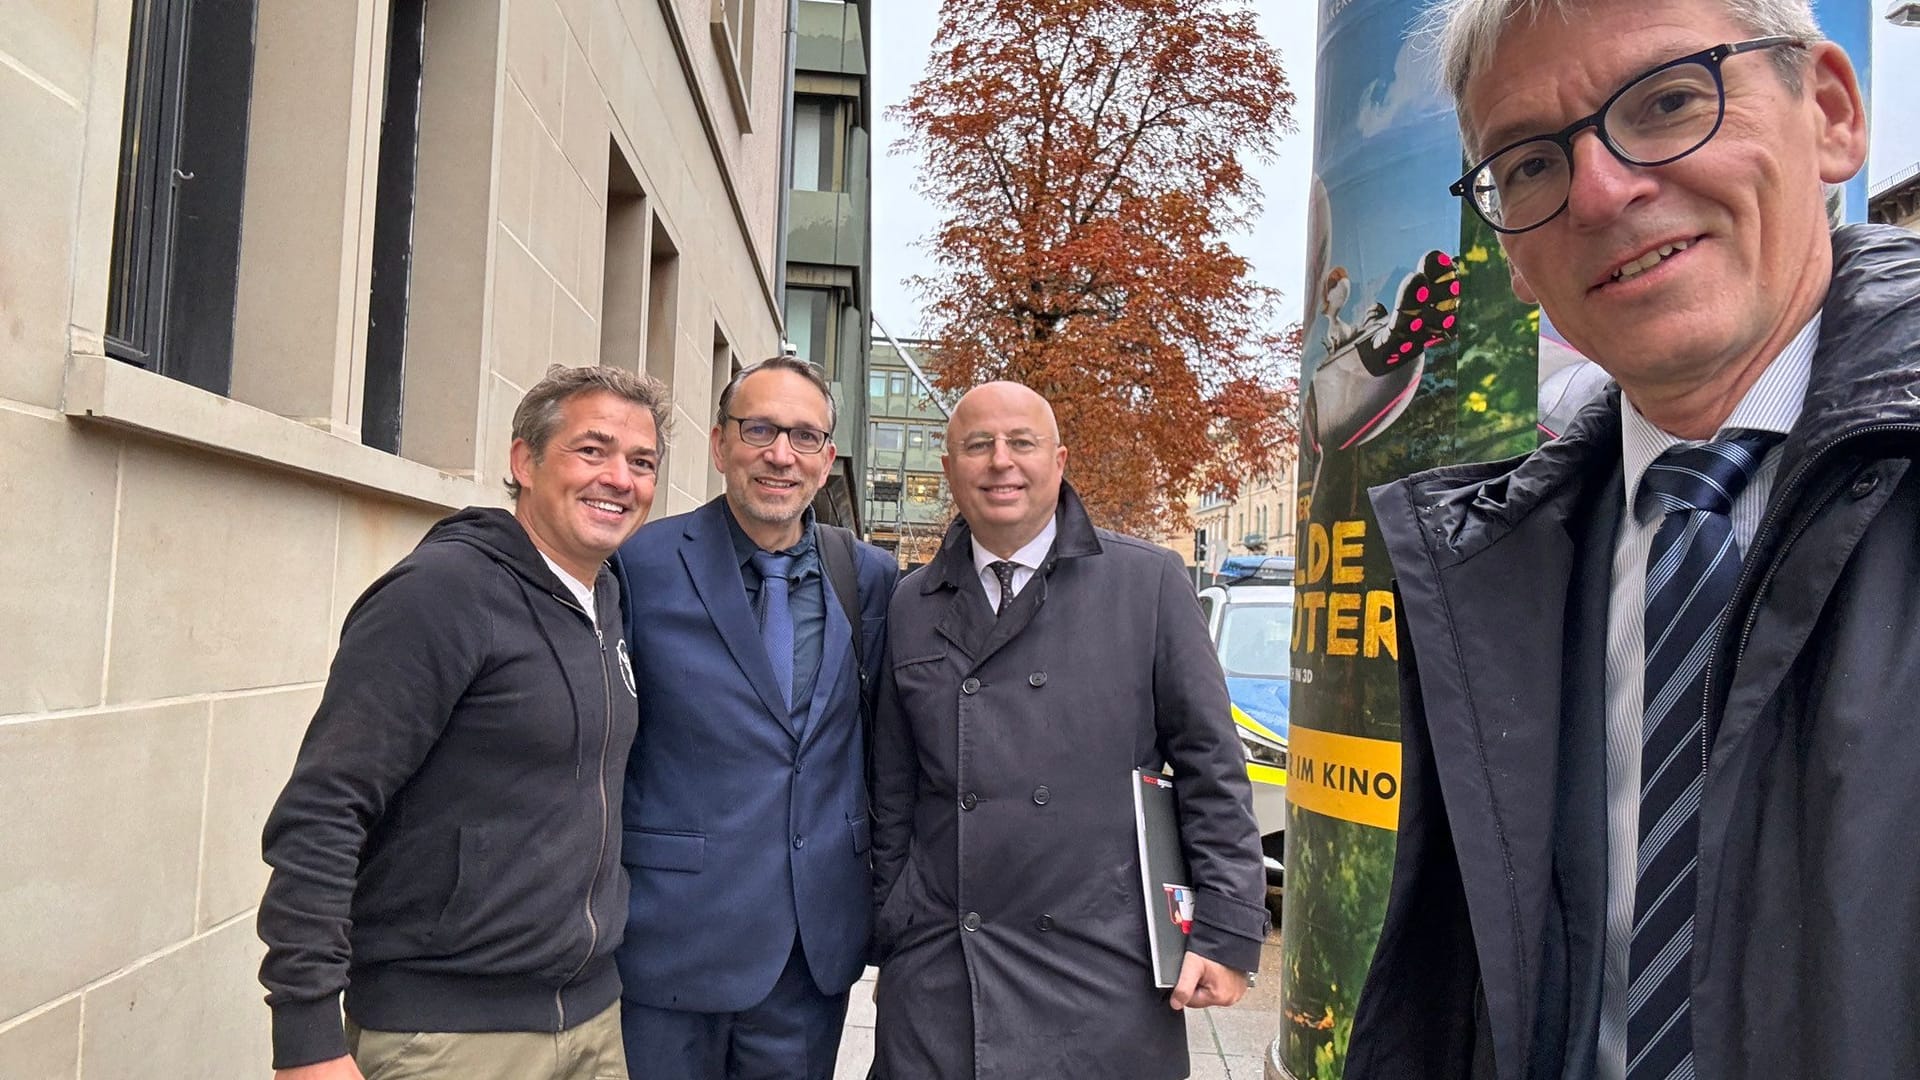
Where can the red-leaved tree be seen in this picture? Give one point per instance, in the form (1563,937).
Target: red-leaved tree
(1091,156)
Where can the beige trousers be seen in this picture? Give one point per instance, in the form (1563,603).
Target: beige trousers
(591,1051)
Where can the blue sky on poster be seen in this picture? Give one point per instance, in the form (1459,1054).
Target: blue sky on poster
(1276,244)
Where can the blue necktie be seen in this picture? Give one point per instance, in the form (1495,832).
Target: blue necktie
(1692,570)
(776,619)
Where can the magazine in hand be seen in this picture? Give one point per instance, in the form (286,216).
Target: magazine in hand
(1163,875)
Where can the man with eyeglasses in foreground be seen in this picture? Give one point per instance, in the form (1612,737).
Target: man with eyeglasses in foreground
(746,830)
(1035,663)
(1658,686)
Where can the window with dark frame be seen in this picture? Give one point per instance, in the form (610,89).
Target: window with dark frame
(393,227)
(183,164)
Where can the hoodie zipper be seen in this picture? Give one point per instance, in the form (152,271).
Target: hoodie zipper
(600,791)
(1780,504)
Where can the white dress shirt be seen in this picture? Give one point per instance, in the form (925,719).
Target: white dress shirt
(1772,404)
(1026,562)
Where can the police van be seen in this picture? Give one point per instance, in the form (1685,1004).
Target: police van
(1249,614)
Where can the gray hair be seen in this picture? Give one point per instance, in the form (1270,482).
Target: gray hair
(779,363)
(538,414)
(1466,33)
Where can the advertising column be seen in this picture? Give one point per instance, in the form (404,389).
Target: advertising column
(1417,355)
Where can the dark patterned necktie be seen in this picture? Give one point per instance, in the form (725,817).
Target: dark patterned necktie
(776,618)
(1003,570)
(1692,570)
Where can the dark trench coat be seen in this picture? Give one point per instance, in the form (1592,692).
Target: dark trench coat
(1010,927)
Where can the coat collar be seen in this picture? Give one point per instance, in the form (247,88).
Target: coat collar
(968,622)
(1075,538)
(1866,372)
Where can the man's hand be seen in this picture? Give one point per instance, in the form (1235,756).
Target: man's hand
(1204,984)
(340,1068)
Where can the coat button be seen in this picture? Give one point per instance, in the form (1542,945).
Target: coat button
(799,842)
(970,686)
(969,801)
(1864,486)
(1041,795)
(1037,679)
(1044,922)
(971,922)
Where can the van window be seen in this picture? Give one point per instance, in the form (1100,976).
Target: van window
(1254,640)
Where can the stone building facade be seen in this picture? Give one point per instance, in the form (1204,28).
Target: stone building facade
(273,277)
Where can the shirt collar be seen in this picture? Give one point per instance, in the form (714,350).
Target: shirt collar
(580,589)
(1030,555)
(744,548)
(1772,403)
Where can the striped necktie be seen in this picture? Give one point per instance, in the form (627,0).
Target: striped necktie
(1692,570)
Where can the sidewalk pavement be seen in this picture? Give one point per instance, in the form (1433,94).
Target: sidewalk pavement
(1224,1044)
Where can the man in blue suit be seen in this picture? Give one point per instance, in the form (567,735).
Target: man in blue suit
(745,814)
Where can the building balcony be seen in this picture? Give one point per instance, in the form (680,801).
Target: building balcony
(829,228)
(830,38)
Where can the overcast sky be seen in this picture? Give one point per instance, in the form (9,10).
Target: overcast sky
(903,36)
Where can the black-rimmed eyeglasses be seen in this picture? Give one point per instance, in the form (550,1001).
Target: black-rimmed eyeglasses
(804,440)
(1657,118)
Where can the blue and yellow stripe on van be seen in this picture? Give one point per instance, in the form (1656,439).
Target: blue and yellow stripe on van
(1260,718)
(1260,772)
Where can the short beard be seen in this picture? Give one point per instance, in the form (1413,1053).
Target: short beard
(748,507)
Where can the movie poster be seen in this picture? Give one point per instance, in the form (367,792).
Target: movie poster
(1417,354)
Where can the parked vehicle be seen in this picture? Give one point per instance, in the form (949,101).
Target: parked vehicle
(1250,616)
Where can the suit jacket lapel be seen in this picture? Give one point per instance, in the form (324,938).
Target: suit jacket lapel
(707,551)
(835,646)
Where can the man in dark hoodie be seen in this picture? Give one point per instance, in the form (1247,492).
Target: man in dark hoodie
(447,851)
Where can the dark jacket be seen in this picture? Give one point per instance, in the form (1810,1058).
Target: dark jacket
(447,850)
(1011,927)
(745,820)
(1808,914)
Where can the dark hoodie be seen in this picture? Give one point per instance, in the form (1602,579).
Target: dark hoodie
(447,849)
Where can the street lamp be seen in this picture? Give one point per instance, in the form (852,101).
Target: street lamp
(1904,13)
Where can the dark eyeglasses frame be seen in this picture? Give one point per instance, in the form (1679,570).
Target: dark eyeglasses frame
(825,436)
(1711,59)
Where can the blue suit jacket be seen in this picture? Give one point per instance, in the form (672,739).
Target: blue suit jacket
(737,833)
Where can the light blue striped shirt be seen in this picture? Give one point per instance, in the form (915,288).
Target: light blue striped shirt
(1772,404)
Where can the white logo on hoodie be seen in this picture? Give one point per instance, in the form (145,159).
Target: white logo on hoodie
(626,666)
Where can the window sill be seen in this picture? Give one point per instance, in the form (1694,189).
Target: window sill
(99,390)
(732,70)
